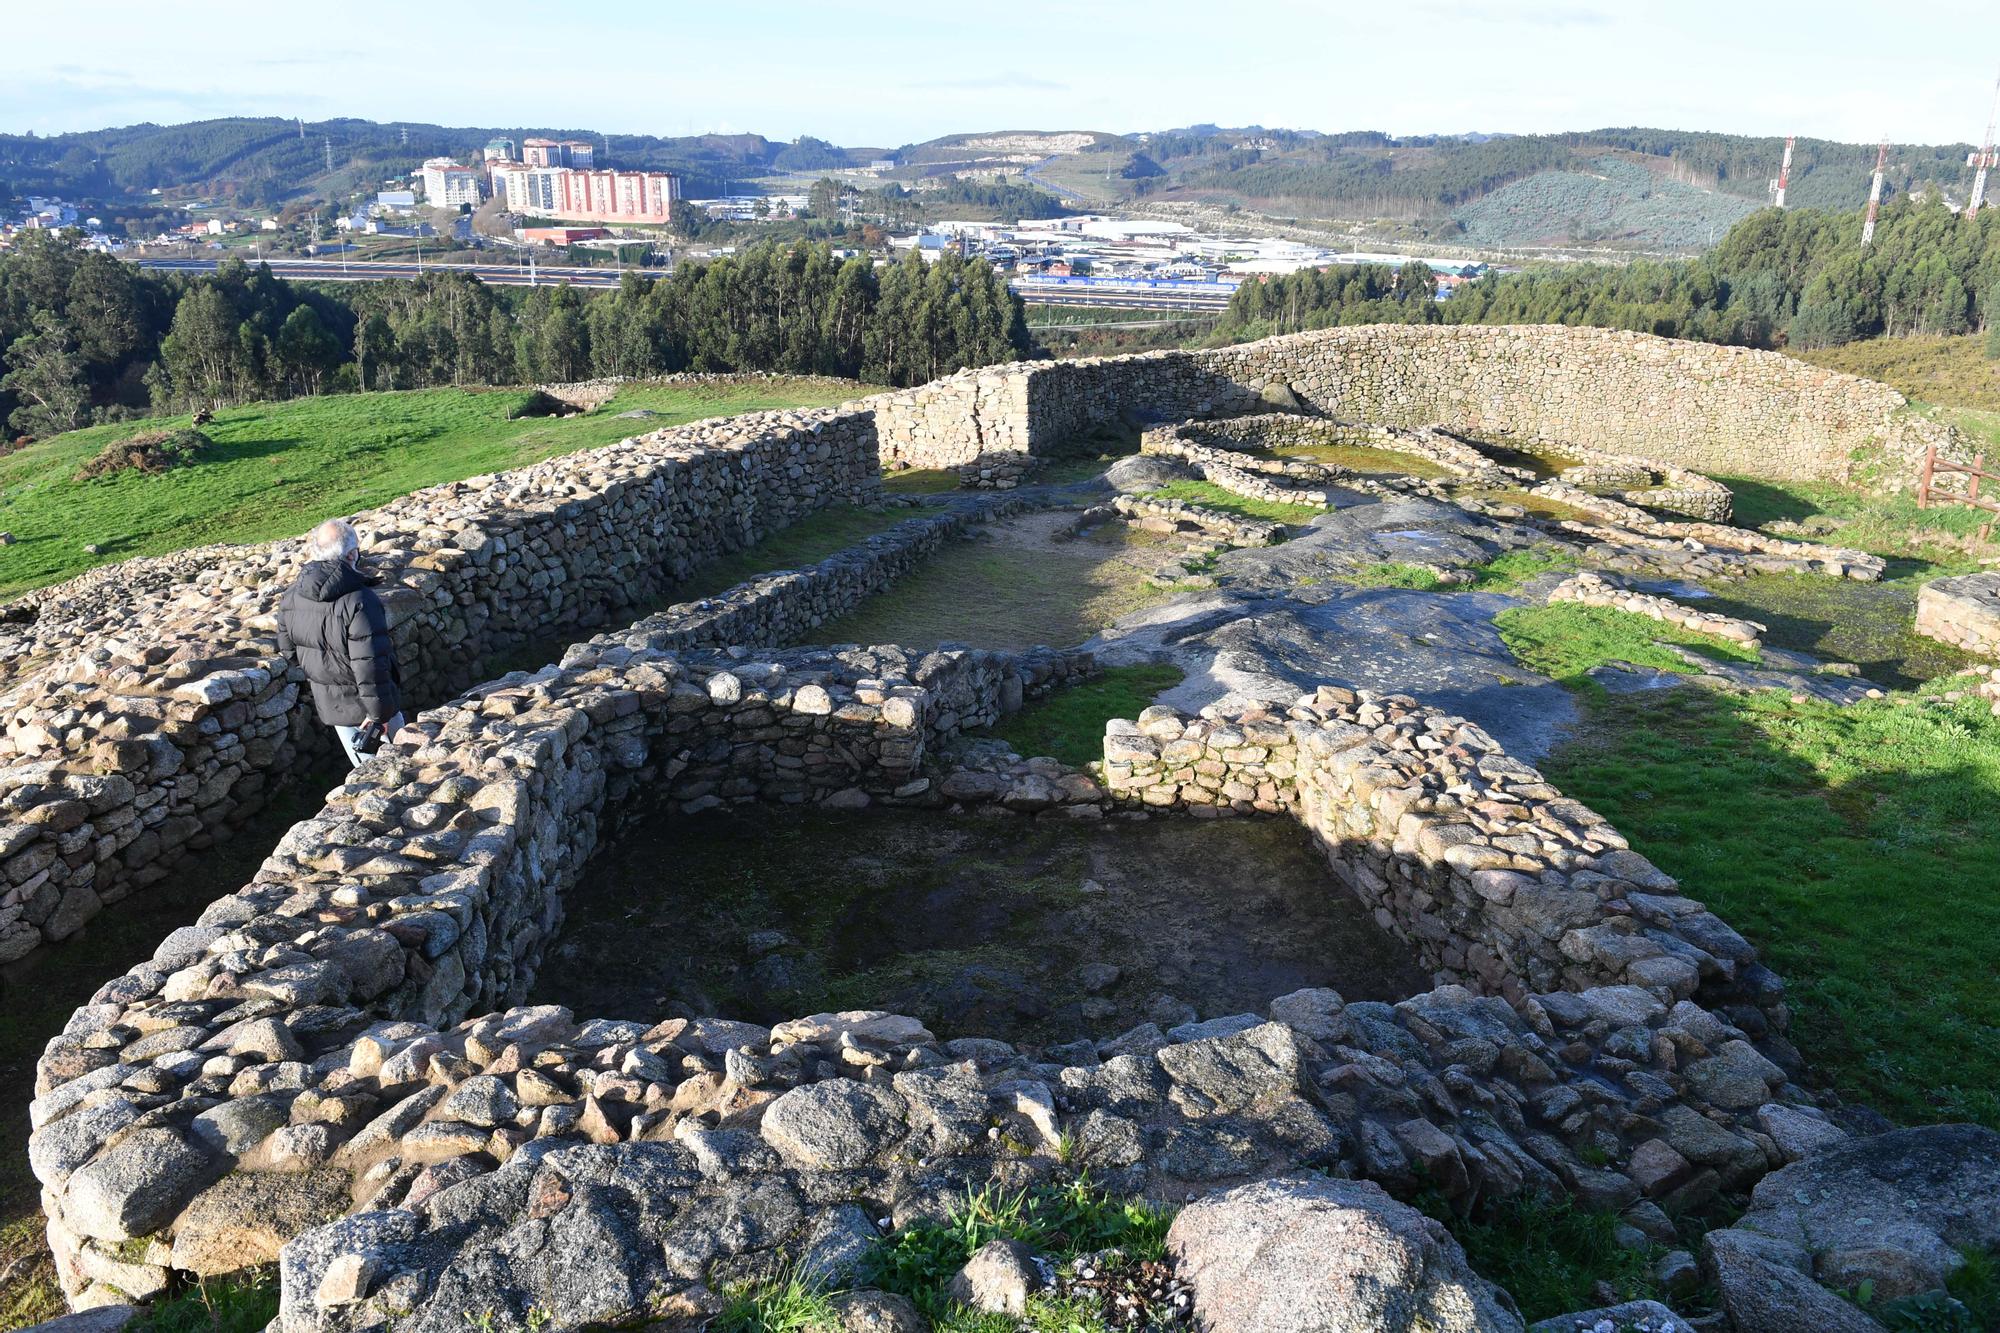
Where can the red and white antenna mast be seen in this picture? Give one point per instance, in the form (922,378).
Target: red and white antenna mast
(1784,172)
(1874,195)
(1985,158)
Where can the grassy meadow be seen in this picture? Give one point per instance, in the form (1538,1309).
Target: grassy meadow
(278,468)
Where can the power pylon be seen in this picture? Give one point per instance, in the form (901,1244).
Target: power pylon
(1784,172)
(1985,158)
(1874,195)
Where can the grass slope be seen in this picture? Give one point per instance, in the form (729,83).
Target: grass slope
(277,468)
(1854,846)
(1954,372)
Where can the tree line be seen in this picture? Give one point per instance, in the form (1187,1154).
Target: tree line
(84,337)
(1796,277)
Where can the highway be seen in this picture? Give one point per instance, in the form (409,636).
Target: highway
(1122,295)
(356,270)
(1139,294)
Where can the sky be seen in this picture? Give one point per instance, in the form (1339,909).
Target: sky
(1919,71)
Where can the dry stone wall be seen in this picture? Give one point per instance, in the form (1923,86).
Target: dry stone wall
(137,726)
(1963,611)
(145,710)
(343,1037)
(1498,880)
(425,891)
(1727,410)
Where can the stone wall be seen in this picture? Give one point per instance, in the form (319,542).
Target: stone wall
(1492,875)
(145,711)
(1715,409)
(426,890)
(1963,611)
(343,1034)
(142,717)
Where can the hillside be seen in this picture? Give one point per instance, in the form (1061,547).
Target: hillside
(1607,201)
(278,468)
(265,160)
(1633,188)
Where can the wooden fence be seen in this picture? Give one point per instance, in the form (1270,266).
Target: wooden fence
(1976,472)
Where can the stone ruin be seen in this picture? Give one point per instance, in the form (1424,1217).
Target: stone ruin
(334,1069)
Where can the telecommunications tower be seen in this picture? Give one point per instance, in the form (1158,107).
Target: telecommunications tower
(1985,156)
(1784,172)
(1874,195)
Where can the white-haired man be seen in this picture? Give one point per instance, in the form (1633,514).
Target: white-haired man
(332,622)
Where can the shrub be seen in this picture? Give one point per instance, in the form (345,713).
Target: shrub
(148,451)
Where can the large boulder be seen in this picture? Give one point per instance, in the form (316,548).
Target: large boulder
(1308,1254)
(835,1123)
(1629,1317)
(244,1219)
(1894,1210)
(1764,1288)
(1141,473)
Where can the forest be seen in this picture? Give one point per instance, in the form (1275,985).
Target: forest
(1376,175)
(1779,278)
(262,161)
(88,338)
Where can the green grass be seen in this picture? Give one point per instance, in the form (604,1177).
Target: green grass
(30,1294)
(239,1303)
(1565,640)
(919,1260)
(920,481)
(1210,496)
(1841,620)
(806,542)
(1069,723)
(993,594)
(1510,569)
(277,468)
(1392,574)
(1920,544)
(1549,1254)
(1854,846)
(793,1303)
(1951,371)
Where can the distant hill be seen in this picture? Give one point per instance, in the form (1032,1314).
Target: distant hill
(264,160)
(1631,187)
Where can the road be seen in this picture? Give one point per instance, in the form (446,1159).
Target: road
(1186,296)
(357,270)
(516,275)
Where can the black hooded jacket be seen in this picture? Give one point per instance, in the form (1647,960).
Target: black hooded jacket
(333,624)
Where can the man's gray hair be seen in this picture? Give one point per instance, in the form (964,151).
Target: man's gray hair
(332,540)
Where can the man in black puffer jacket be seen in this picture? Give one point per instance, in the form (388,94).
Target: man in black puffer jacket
(332,622)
